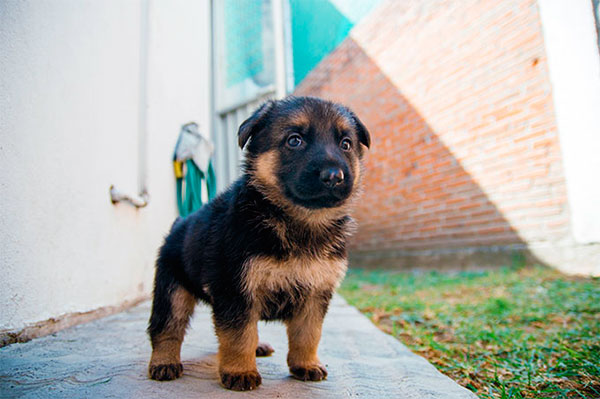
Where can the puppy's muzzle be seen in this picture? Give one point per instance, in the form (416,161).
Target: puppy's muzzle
(332,177)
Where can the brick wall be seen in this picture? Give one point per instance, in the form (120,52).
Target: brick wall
(465,158)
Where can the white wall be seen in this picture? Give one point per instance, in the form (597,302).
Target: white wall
(69,123)
(574,67)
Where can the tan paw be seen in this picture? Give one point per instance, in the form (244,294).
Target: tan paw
(241,381)
(165,372)
(315,372)
(264,349)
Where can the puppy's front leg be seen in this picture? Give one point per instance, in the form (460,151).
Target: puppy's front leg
(304,334)
(237,356)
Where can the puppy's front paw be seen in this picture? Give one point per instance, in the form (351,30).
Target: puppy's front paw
(315,372)
(264,349)
(165,372)
(246,381)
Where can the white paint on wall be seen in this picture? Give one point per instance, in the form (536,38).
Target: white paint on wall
(574,66)
(69,120)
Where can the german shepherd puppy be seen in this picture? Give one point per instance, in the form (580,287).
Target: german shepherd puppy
(272,247)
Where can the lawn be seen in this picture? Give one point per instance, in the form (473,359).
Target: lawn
(527,332)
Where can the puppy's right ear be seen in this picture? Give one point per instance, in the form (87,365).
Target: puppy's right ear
(255,123)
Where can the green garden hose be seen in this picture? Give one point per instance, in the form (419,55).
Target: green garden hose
(189,186)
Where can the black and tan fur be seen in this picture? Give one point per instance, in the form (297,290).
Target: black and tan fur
(272,247)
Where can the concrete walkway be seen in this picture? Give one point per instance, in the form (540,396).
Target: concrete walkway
(107,358)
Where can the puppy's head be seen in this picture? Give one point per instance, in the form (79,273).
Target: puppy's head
(304,151)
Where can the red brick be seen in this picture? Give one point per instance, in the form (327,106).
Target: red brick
(481,103)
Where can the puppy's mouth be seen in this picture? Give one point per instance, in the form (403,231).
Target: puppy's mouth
(329,199)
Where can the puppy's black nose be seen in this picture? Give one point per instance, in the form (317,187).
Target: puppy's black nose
(332,176)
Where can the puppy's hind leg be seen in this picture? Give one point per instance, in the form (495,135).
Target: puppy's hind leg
(171,310)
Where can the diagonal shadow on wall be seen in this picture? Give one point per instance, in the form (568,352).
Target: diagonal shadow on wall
(420,208)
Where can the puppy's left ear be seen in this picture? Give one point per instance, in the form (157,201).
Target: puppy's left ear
(363,134)
(255,123)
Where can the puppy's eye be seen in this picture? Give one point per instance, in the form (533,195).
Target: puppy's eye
(294,141)
(346,144)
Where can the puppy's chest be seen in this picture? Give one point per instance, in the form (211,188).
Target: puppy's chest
(266,275)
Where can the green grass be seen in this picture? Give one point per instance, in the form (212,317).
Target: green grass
(509,333)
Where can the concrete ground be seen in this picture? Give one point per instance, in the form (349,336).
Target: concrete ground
(107,358)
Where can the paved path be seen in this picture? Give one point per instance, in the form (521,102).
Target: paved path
(107,358)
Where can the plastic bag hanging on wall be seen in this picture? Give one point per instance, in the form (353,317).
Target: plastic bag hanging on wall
(193,169)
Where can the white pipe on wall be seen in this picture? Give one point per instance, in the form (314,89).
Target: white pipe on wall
(279,41)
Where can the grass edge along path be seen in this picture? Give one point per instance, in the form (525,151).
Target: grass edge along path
(520,332)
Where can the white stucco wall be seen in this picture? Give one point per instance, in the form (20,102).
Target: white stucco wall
(574,67)
(69,119)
